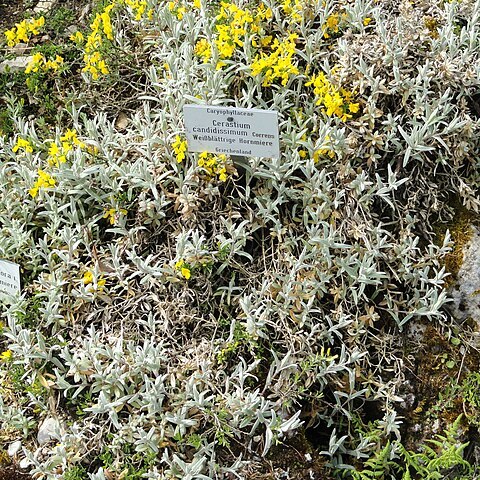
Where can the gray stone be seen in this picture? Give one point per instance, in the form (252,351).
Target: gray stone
(48,430)
(15,65)
(44,6)
(466,291)
(14,448)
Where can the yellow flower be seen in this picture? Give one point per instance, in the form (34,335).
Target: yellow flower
(39,62)
(334,101)
(366,21)
(214,165)
(87,277)
(44,180)
(6,356)
(21,31)
(278,65)
(354,107)
(203,49)
(223,175)
(113,215)
(233,23)
(332,25)
(53,150)
(70,136)
(181,12)
(11,36)
(77,37)
(184,269)
(56,155)
(295,11)
(24,145)
(197,4)
(107,25)
(179,147)
(35,63)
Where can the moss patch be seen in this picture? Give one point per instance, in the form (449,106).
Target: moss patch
(460,229)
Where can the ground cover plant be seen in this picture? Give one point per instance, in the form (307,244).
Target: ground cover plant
(195,316)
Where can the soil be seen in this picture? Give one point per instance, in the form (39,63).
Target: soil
(9,473)
(12,11)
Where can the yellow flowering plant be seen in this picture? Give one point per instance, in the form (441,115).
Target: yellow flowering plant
(57,154)
(180,148)
(278,64)
(177,9)
(231,299)
(293,8)
(6,356)
(113,215)
(333,25)
(23,30)
(23,146)
(203,49)
(39,63)
(44,180)
(333,100)
(91,285)
(184,268)
(215,166)
(234,23)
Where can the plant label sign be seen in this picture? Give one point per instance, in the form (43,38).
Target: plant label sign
(245,132)
(9,277)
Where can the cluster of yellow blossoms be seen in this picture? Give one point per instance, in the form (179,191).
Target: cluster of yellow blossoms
(23,145)
(44,180)
(214,165)
(180,10)
(233,25)
(100,27)
(58,153)
(6,356)
(101,30)
(277,65)
(184,269)
(326,149)
(335,101)
(40,63)
(139,8)
(114,214)
(294,9)
(21,31)
(88,281)
(180,148)
(203,49)
(177,10)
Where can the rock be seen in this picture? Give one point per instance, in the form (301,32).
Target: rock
(48,430)
(15,65)
(122,121)
(24,463)
(19,48)
(44,6)
(71,30)
(466,291)
(14,448)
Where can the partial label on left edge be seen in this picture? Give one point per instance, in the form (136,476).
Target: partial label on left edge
(9,277)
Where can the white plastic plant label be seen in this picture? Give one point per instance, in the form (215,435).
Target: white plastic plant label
(246,132)
(9,277)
